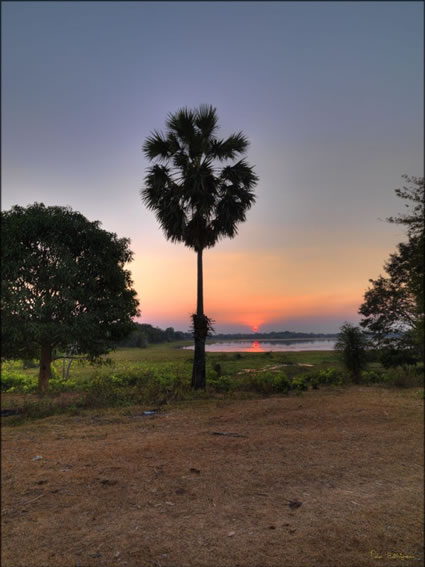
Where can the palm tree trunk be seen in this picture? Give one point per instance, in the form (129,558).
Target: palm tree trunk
(198,372)
(200,295)
(45,370)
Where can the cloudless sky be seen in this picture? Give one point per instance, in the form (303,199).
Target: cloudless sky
(330,95)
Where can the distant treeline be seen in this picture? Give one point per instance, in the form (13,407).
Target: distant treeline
(145,335)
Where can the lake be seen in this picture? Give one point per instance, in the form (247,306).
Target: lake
(264,345)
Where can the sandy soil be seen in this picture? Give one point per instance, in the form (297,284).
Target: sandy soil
(330,478)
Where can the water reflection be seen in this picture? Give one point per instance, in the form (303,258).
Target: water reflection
(283,345)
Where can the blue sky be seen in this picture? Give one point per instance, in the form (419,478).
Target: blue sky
(330,95)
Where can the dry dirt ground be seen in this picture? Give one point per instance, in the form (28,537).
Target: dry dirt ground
(329,478)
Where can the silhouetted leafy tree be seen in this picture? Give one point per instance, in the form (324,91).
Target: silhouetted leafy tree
(63,283)
(197,200)
(352,344)
(393,308)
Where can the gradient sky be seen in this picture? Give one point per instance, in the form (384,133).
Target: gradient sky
(330,95)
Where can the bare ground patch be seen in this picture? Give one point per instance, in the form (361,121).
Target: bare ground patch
(329,478)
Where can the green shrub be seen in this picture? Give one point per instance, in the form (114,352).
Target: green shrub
(329,376)
(102,392)
(375,377)
(137,385)
(124,378)
(15,381)
(258,382)
(222,384)
(59,385)
(406,377)
(266,383)
(299,384)
(166,387)
(398,377)
(282,383)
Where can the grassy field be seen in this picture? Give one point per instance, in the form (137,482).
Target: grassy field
(326,478)
(157,374)
(161,374)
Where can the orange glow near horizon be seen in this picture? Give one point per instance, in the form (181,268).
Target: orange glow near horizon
(252,290)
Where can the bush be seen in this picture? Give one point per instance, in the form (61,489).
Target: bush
(398,377)
(375,377)
(282,383)
(102,392)
(59,385)
(329,376)
(299,384)
(393,357)
(136,385)
(266,383)
(406,377)
(15,381)
(222,384)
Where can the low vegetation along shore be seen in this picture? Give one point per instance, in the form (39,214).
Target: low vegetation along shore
(160,375)
(280,463)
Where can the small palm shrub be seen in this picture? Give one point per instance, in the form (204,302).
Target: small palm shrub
(352,344)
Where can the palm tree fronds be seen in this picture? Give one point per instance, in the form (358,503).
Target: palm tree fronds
(181,161)
(157,146)
(229,148)
(158,183)
(194,201)
(239,173)
(206,120)
(182,124)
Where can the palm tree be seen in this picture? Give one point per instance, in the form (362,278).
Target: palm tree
(196,198)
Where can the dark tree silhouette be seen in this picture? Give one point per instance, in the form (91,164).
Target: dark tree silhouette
(352,344)
(393,307)
(196,198)
(63,283)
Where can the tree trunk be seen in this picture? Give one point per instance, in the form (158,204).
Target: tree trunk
(45,370)
(198,372)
